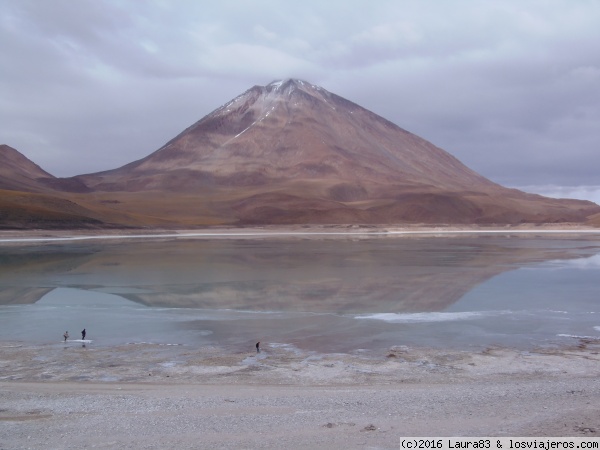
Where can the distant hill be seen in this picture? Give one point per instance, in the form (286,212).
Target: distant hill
(26,210)
(19,173)
(28,197)
(594,220)
(293,153)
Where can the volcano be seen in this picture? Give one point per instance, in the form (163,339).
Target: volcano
(291,152)
(293,131)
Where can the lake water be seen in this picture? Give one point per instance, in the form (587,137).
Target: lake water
(322,295)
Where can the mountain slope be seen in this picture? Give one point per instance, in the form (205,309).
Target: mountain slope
(292,152)
(17,172)
(24,210)
(286,153)
(292,131)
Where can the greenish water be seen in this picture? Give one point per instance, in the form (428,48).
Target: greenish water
(327,295)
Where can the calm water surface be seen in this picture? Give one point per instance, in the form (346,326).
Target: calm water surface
(327,295)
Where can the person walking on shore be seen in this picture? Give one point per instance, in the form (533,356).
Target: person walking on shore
(83,334)
(66,335)
(258,347)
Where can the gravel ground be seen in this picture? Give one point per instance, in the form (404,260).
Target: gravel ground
(59,396)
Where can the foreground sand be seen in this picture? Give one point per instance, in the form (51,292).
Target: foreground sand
(147,396)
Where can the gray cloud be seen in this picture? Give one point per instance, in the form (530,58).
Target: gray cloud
(508,87)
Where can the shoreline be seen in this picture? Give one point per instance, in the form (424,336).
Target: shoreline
(79,361)
(299,231)
(280,399)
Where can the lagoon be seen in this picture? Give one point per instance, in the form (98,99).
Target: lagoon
(323,295)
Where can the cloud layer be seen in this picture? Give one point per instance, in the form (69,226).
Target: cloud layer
(508,87)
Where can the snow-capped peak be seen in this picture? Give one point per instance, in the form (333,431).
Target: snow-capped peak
(288,83)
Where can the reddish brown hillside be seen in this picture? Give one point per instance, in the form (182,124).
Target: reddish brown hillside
(17,172)
(292,131)
(30,197)
(24,210)
(286,153)
(292,152)
(594,220)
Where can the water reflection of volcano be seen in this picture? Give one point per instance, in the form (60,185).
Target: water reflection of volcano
(336,275)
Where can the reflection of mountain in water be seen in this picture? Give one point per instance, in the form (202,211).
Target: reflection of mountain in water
(339,276)
(26,272)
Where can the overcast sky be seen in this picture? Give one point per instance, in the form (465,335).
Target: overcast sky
(511,88)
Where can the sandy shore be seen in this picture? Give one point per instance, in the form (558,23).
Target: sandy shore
(147,396)
(20,237)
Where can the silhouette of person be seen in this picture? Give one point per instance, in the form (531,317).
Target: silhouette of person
(83,334)
(258,347)
(66,335)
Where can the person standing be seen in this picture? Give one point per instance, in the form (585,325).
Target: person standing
(66,335)
(83,334)
(258,347)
